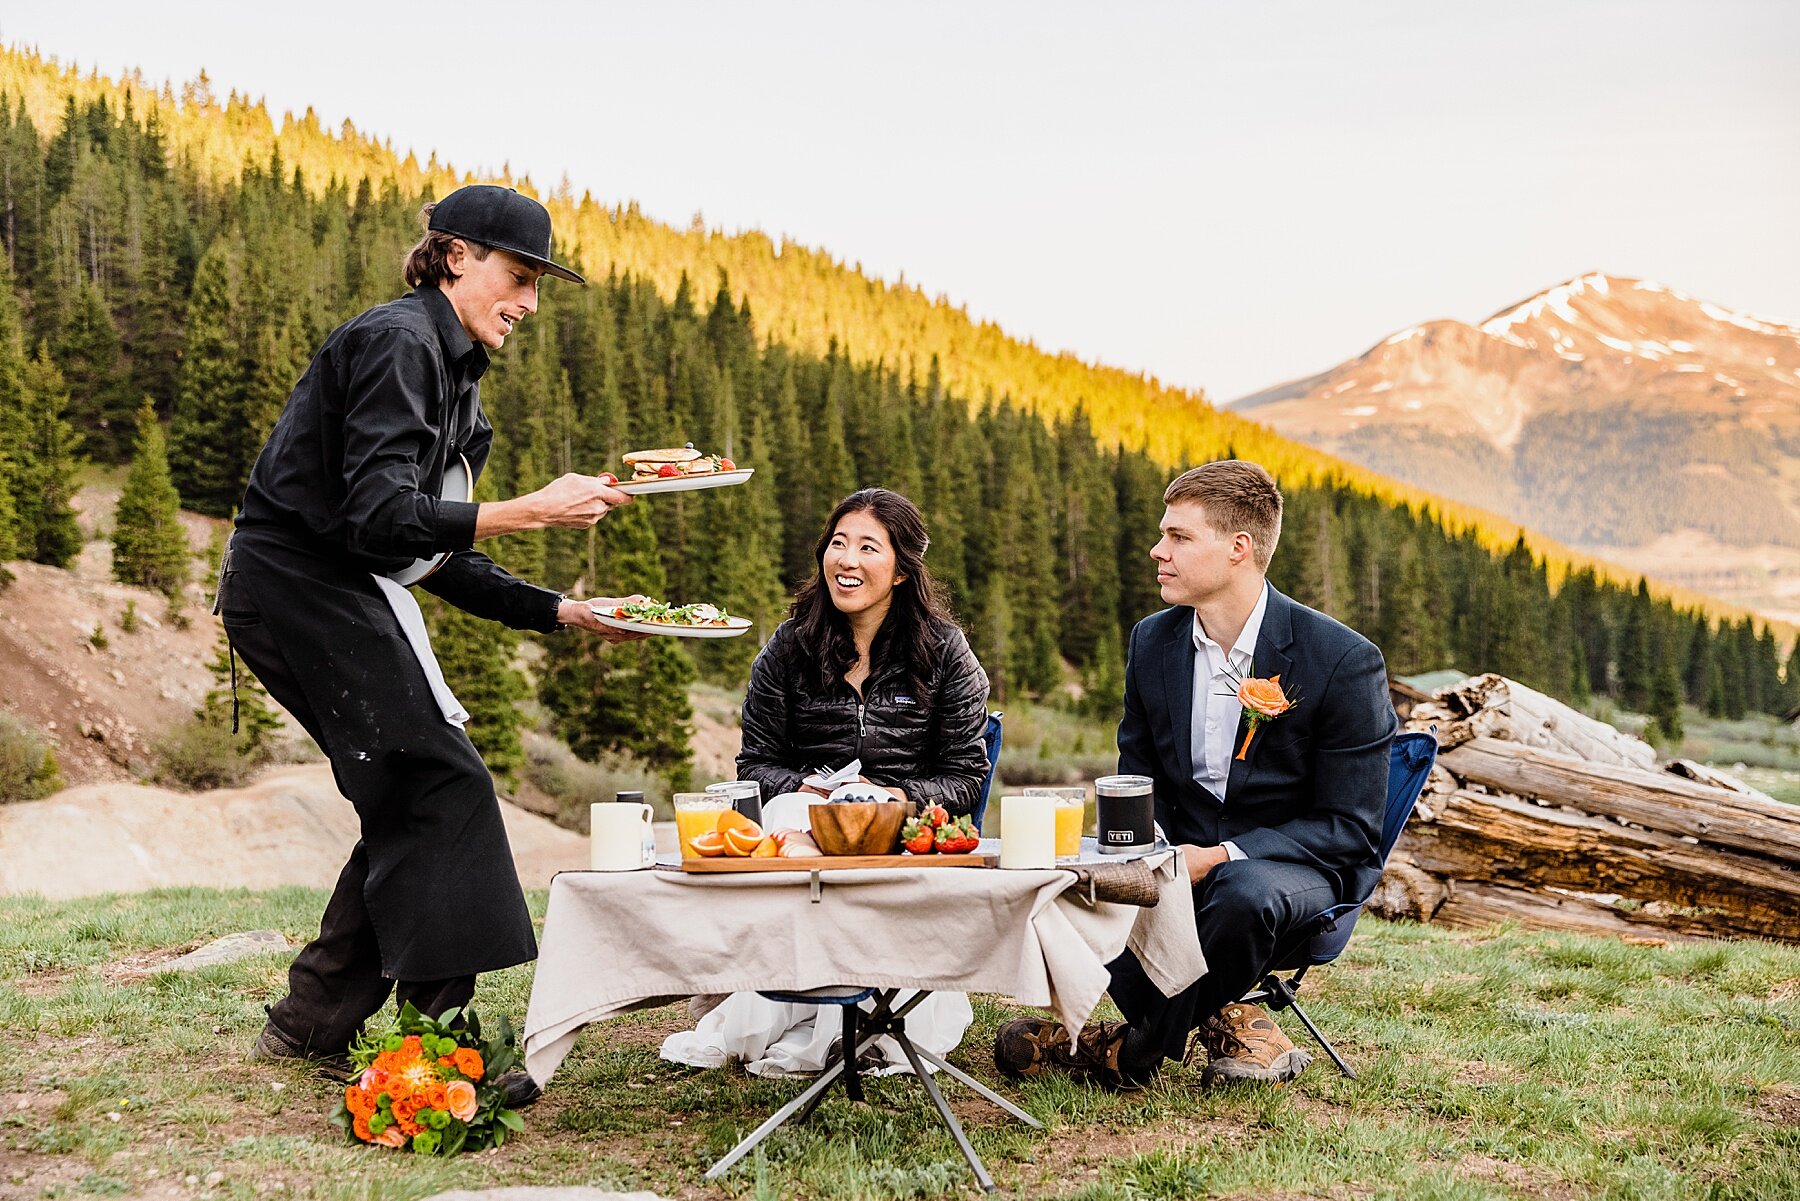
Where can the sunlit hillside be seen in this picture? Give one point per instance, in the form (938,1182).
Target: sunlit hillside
(802,296)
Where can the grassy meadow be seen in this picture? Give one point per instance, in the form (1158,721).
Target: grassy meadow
(1494,1064)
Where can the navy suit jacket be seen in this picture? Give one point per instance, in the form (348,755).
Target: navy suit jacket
(1312,788)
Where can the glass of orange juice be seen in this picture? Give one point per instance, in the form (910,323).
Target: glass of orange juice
(697,813)
(1071,819)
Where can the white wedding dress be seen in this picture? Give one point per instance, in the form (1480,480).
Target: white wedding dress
(775,1038)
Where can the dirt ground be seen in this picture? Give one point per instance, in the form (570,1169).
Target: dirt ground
(104,706)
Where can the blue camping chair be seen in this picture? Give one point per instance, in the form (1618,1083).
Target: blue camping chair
(888,1019)
(1323,939)
(991,736)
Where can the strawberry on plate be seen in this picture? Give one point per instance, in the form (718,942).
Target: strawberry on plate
(918,836)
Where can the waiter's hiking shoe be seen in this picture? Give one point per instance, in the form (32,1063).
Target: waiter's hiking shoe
(1029,1048)
(1244,1043)
(521,1089)
(274,1045)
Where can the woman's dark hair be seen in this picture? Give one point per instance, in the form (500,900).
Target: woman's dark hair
(427,263)
(822,632)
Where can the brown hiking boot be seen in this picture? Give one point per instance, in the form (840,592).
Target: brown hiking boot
(274,1045)
(1244,1043)
(1029,1048)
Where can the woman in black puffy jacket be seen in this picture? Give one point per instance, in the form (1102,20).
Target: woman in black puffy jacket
(869,666)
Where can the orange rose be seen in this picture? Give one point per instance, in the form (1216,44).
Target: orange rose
(360,1125)
(468,1062)
(461,1097)
(436,1098)
(358,1102)
(411,1045)
(1264,696)
(391,1137)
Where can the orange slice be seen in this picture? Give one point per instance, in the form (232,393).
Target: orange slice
(768,848)
(708,845)
(731,819)
(739,843)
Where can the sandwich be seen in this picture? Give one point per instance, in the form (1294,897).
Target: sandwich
(670,462)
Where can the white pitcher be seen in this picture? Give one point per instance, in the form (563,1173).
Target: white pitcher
(621,837)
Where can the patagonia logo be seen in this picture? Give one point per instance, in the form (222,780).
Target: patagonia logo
(905,700)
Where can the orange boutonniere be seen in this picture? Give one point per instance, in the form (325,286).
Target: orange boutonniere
(1263,700)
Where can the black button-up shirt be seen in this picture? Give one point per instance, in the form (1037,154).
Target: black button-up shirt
(356,461)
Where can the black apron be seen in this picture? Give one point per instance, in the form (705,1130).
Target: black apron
(442,892)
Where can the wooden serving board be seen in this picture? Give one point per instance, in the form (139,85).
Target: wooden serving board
(828,863)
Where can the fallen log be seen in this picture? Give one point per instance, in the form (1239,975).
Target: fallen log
(1492,706)
(1472,903)
(1700,773)
(1657,800)
(1479,837)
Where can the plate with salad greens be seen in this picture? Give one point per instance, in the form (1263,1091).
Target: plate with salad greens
(699,620)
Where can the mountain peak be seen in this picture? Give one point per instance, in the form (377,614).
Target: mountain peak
(1611,411)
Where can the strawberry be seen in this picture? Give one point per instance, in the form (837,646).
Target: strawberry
(668,471)
(938,816)
(916,837)
(946,839)
(726,464)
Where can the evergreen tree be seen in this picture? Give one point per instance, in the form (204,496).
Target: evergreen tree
(87,351)
(1790,682)
(206,437)
(47,467)
(1665,706)
(257,720)
(476,658)
(632,698)
(1637,670)
(150,547)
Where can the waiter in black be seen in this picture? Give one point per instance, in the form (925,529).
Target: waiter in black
(348,486)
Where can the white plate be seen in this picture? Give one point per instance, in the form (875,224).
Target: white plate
(686,483)
(789,811)
(458,485)
(738,626)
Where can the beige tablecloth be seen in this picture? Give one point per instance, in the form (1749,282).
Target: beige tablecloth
(615,942)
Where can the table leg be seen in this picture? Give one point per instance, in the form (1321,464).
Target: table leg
(852,1053)
(956,1073)
(806,1100)
(956,1130)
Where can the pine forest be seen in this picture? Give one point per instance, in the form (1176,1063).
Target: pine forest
(172,262)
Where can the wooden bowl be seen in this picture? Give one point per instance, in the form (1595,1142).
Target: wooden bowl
(858,827)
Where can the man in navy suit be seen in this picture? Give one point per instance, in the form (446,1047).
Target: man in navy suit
(1275,821)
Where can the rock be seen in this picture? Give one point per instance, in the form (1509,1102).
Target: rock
(229,949)
(536,1193)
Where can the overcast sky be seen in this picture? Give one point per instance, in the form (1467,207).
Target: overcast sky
(1225,194)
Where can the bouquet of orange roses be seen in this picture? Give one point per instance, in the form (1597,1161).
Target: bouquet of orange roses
(429,1087)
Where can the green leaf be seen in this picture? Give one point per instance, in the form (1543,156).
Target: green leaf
(509,1119)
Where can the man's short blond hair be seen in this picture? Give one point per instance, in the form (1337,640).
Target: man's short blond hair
(1237,496)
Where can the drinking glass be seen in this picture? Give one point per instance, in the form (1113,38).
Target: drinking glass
(1071,819)
(697,813)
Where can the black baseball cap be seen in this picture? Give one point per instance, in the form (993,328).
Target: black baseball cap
(501,218)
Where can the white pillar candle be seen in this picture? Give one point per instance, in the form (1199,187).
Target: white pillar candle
(1028,831)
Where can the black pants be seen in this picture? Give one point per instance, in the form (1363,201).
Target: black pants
(335,983)
(1242,910)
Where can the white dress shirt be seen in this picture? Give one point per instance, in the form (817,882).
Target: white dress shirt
(1217,673)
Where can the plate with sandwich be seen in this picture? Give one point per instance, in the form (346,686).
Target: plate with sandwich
(683,621)
(679,469)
